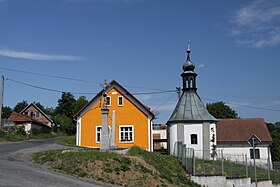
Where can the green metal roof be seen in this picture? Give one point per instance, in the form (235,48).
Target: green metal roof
(190,108)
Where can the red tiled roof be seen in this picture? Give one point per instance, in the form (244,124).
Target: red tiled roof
(16,117)
(240,130)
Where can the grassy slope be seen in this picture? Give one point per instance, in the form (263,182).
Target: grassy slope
(137,168)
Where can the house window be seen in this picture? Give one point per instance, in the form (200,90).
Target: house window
(37,114)
(257,153)
(126,134)
(193,138)
(120,101)
(108,101)
(98,133)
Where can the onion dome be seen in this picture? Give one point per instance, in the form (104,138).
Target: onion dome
(188,65)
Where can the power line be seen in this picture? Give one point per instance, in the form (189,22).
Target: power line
(143,93)
(49,89)
(147,93)
(71,79)
(163,103)
(253,107)
(47,75)
(80,93)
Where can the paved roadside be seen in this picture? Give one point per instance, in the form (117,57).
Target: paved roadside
(16,170)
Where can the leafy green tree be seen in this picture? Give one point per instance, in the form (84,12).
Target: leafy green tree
(66,105)
(20,106)
(66,124)
(221,111)
(80,103)
(6,112)
(64,113)
(274,130)
(275,147)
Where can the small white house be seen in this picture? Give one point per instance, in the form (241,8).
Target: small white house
(233,136)
(159,134)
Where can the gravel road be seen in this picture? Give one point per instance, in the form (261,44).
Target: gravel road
(17,170)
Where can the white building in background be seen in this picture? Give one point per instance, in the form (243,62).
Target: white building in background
(159,133)
(233,136)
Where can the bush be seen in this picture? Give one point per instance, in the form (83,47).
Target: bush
(2,132)
(20,131)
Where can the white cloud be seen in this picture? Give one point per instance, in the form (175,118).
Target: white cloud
(201,65)
(256,25)
(37,56)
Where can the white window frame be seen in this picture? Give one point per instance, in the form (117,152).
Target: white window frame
(109,101)
(96,140)
(100,132)
(120,132)
(119,100)
(37,114)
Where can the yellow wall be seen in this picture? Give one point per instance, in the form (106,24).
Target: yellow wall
(128,114)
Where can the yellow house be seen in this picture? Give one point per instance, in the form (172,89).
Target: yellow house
(133,120)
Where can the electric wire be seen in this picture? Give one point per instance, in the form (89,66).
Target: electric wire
(80,93)
(246,106)
(168,99)
(48,89)
(71,79)
(143,93)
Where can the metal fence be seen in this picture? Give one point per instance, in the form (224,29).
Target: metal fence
(205,163)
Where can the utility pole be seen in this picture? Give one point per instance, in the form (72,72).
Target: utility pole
(179,92)
(1,98)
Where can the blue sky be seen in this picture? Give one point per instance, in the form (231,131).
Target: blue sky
(142,44)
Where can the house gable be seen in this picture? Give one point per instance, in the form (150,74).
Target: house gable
(123,92)
(37,114)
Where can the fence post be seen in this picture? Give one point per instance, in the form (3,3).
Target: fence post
(186,166)
(193,163)
(184,155)
(246,165)
(222,154)
(268,163)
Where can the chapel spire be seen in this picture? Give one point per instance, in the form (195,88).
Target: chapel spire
(189,75)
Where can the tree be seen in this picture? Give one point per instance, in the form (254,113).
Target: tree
(20,106)
(66,124)
(275,147)
(220,110)
(64,113)
(274,130)
(66,105)
(80,103)
(6,112)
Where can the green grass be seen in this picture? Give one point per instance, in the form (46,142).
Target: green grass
(76,163)
(170,169)
(72,162)
(67,141)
